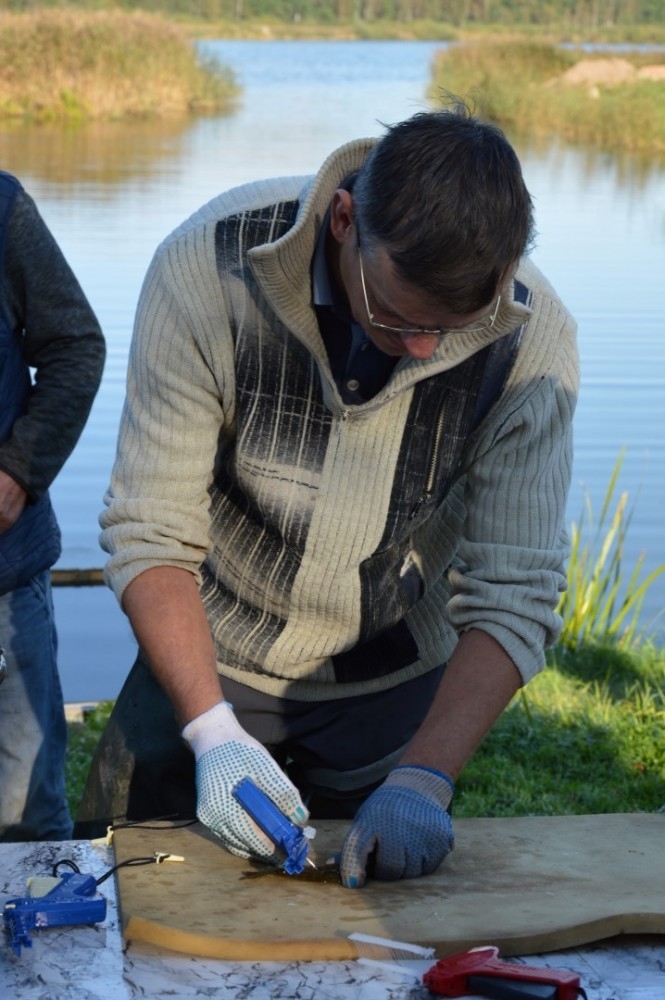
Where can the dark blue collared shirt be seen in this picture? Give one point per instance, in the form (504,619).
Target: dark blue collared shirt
(359,368)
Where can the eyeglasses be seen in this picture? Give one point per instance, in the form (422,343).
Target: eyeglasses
(437,331)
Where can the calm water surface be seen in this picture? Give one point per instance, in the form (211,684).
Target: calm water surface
(111,192)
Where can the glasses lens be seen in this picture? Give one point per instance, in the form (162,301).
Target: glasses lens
(384,326)
(415,330)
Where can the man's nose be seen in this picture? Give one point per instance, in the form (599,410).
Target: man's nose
(420,345)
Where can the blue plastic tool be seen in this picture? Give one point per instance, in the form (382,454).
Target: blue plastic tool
(73,900)
(291,839)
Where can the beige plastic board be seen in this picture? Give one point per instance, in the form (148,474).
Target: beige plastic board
(525,885)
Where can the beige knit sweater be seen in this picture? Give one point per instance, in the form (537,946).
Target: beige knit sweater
(321,571)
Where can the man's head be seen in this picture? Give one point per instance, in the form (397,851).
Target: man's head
(442,193)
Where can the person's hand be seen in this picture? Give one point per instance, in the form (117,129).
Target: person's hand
(13,499)
(404,825)
(225,754)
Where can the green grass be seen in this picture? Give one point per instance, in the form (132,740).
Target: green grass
(71,65)
(82,739)
(518,84)
(585,736)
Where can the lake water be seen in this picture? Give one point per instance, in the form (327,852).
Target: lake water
(111,192)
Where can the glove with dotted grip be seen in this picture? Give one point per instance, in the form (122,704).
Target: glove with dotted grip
(225,754)
(404,826)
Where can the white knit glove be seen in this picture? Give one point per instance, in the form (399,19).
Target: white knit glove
(225,754)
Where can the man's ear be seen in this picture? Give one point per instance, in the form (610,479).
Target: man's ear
(342,220)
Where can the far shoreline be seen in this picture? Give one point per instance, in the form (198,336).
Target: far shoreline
(416,31)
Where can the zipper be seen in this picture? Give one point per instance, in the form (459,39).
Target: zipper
(433,466)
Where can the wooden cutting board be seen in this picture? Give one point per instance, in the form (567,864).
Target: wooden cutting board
(525,885)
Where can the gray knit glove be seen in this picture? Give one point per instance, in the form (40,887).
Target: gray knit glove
(405,823)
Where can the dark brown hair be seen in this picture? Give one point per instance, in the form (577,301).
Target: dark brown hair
(443,193)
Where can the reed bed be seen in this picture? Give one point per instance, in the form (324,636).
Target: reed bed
(64,64)
(538,89)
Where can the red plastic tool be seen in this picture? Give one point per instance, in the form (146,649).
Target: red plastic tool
(483,973)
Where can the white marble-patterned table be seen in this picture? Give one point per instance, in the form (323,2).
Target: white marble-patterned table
(93,963)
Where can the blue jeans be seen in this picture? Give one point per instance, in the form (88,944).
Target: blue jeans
(33,731)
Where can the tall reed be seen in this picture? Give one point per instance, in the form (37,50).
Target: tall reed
(72,64)
(602,604)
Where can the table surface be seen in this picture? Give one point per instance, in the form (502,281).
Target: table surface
(93,963)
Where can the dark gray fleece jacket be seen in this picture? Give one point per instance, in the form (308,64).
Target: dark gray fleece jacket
(51,361)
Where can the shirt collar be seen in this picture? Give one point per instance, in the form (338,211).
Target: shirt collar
(322,292)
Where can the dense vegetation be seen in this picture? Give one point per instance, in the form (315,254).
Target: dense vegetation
(579,15)
(65,64)
(538,88)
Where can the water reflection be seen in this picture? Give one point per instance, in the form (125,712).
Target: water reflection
(114,153)
(632,171)
(70,156)
(99,153)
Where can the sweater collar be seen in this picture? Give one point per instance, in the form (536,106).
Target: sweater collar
(283,270)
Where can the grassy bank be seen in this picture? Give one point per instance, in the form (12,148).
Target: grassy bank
(538,89)
(309,30)
(65,64)
(520,76)
(585,736)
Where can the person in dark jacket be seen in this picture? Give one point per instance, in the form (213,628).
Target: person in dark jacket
(51,361)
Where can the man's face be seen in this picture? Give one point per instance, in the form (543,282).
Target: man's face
(378,298)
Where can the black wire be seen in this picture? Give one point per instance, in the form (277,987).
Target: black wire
(131,863)
(147,825)
(70,864)
(155,859)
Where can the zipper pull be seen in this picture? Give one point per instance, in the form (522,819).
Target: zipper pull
(419,504)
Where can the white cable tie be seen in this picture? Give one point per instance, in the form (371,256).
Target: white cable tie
(394,949)
(104,841)
(160,856)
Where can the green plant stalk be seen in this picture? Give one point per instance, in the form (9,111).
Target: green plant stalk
(600,604)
